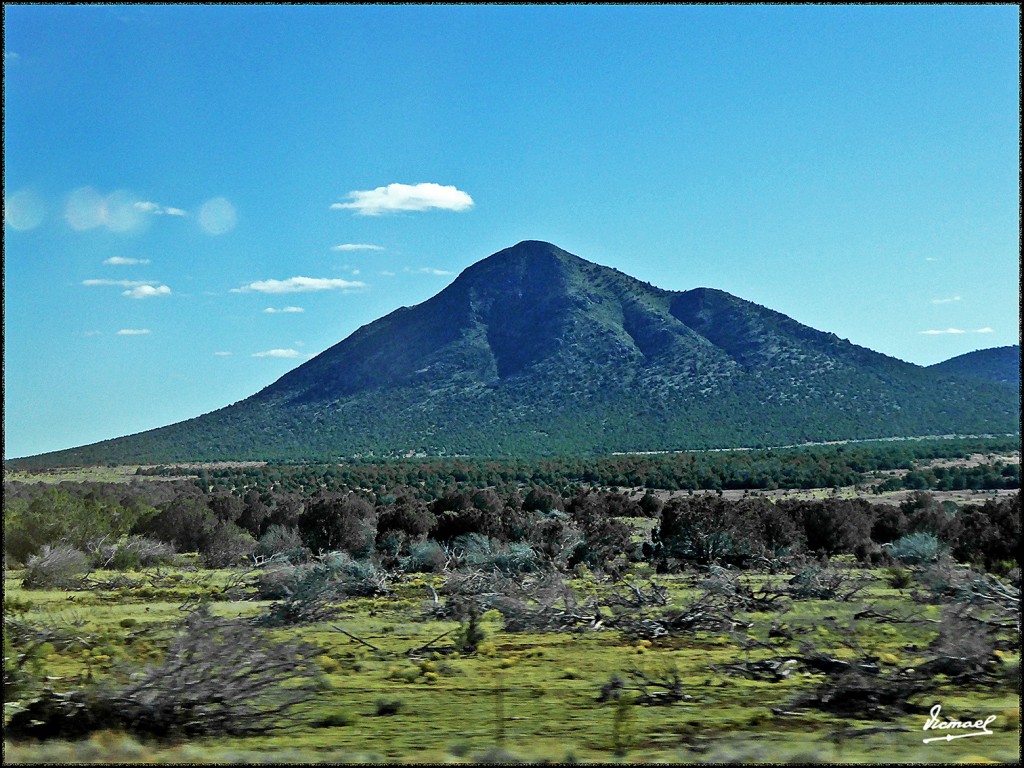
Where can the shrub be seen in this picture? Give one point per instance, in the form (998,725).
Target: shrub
(334,521)
(424,557)
(917,548)
(384,707)
(217,677)
(471,634)
(227,545)
(479,551)
(277,580)
(515,557)
(132,552)
(898,578)
(337,719)
(53,516)
(61,567)
(307,592)
(405,514)
(282,541)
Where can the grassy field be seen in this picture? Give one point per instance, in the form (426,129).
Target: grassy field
(531,695)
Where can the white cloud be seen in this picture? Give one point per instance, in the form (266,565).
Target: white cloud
(299,285)
(147,291)
(957,331)
(277,353)
(133,332)
(222,354)
(159,210)
(430,271)
(120,283)
(123,261)
(357,247)
(283,310)
(950,300)
(406,197)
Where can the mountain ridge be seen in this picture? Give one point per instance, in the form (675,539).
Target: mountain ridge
(1000,364)
(536,351)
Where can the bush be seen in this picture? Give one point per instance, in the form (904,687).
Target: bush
(898,578)
(227,545)
(307,592)
(54,516)
(217,677)
(334,521)
(282,541)
(479,551)
(384,707)
(131,553)
(61,567)
(917,548)
(336,719)
(424,557)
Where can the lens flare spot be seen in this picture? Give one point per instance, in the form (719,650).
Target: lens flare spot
(120,214)
(24,210)
(217,216)
(84,209)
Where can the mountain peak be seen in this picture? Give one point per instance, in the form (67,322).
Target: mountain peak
(534,350)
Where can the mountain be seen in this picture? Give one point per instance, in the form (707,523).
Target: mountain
(997,364)
(534,351)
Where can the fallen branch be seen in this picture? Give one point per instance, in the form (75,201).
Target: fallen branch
(359,640)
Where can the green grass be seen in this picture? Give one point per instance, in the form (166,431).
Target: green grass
(530,695)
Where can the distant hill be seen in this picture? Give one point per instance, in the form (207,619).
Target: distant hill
(1000,364)
(534,351)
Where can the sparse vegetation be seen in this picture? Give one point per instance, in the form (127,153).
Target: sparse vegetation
(585,623)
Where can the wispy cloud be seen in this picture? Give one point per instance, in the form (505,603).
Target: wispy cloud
(117,261)
(147,206)
(146,291)
(430,271)
(954,331)
(223,354)
(278,353)
(120,283)
(357,247)
(950,300)
(299,285)
(283,310)
(406,197)
(133,332)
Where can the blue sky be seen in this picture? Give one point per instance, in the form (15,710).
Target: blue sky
(197,198)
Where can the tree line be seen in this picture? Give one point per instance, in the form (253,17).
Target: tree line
(118,525)
(769,469)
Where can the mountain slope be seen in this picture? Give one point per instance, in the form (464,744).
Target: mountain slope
(535,351)
(1000,364)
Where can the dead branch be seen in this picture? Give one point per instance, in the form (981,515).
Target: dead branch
(359,640)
